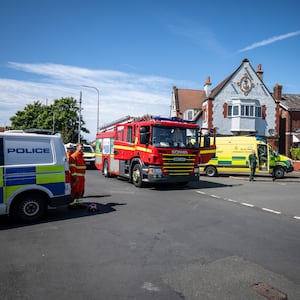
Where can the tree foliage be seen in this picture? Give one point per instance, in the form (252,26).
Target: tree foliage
(62,116)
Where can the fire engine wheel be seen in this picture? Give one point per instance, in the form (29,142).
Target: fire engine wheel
(137,176)
(29,208)
(279,172)
(105,169)
(211,171)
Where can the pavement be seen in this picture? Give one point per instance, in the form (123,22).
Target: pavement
(290,177)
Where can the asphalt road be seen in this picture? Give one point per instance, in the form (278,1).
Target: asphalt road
(221,238)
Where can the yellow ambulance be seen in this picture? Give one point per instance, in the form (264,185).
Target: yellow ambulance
(232,157)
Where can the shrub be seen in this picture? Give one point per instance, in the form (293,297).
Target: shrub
(295,153)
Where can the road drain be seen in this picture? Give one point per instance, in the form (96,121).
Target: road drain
(268,291)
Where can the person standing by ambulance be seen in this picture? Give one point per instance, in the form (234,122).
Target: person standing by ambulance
(77,169)
(252,162)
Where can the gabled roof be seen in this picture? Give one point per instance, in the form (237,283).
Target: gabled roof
(221,85)
(189,99)
(290,102)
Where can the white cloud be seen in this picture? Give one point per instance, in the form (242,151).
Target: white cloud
(120,93)
(269,41)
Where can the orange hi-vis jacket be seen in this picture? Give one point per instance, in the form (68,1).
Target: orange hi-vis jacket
(69,157)
(77,165)
(77,169)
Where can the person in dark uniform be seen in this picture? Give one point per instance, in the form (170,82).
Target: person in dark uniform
(252,162)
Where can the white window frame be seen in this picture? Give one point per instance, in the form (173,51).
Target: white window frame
(242,109)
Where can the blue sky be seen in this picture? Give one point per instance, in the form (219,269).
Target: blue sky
(135,51)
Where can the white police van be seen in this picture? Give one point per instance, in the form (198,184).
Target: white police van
(34,174)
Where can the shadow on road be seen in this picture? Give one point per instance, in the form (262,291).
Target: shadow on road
(64,213)
(202,184)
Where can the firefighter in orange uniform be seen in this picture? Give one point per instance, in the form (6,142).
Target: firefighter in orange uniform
(77,169)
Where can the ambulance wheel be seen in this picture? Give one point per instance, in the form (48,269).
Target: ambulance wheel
(29,208)
(279,172)
(211,171)
(105,169)
(137,176)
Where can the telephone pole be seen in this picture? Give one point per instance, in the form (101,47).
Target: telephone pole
(79,122)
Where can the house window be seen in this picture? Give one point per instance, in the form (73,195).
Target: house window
(244,110)
(204,115)
(229,111)
(189,114)
(235,111)
(247,110)
(258,111)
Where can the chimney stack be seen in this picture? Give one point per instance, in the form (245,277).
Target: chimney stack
(207,86)
(277,92)
(260,72)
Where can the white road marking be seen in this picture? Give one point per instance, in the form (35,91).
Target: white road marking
(247,204)
(200,192)
(231,200)
(271,211)
(215,196)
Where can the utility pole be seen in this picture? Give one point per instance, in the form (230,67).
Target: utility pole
(53,129)
(79,122)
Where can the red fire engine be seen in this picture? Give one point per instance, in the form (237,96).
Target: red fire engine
(150,150)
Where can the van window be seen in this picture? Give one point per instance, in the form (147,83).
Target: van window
(22,151)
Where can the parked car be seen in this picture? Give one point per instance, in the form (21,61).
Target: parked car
(89,156)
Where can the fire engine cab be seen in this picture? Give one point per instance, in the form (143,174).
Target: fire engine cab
(149,150)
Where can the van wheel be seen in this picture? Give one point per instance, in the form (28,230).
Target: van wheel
(211,171)
(279,172)
(30,208)
(105,169)
(137,175)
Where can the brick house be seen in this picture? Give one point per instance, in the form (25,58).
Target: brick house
(241,105)
(289,120)
(186,104)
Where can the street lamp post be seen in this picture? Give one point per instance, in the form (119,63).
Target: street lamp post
(93,87)
(79,123)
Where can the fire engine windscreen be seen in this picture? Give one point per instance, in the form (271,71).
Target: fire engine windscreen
(178,137)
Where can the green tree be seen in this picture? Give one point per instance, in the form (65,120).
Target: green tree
(62,116)
(29,117)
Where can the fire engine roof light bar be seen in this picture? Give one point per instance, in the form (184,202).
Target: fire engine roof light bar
(172,119)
